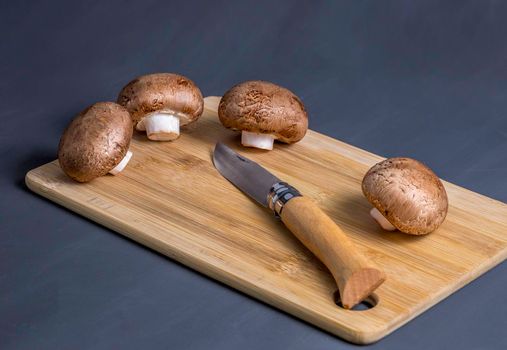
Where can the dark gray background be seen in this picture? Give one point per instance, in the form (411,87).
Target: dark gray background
(425,79)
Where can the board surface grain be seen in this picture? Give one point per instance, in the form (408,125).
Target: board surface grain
(171,199)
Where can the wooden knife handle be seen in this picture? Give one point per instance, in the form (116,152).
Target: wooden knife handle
(355,276)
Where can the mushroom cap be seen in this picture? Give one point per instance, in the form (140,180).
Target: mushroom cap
(263,107)
(95,141)
(162,92)
(409,195)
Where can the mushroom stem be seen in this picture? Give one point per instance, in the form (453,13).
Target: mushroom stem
(252,139)
(117,169)
(382,221)
(161,126)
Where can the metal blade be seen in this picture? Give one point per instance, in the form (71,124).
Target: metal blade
(245,174)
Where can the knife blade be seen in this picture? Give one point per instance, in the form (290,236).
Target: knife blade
(355,276)
(248,176)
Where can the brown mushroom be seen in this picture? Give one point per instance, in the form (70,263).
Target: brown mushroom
(263,112)
(406,195)
(96,142)
(160,103)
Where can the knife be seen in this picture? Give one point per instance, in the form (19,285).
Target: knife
(355,276)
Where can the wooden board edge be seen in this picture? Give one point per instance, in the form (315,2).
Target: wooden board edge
(374,334)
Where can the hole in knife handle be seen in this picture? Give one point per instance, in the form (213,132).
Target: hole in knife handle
(369,303)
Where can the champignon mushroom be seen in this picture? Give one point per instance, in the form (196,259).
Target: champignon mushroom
(406,195)
(263,112)
(160,103)
(96,142)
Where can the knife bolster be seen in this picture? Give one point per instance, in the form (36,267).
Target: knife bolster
(279,194)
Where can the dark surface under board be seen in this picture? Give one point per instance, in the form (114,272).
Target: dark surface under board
(424,79)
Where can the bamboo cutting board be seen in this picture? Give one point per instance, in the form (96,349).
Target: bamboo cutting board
(171,198)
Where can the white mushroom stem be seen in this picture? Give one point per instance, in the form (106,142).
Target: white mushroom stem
(117,169)
(252,139)
(386,225)
(160,126)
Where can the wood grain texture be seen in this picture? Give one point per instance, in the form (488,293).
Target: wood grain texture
(171,198)
(355,276)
